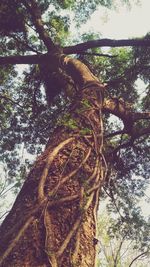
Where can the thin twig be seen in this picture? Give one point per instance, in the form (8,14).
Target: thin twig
(143,253)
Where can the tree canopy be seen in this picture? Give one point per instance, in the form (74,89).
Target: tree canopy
(35,98)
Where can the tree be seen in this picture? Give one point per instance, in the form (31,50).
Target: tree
(53,220)
(121,246)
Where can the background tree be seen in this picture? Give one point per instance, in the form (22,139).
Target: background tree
(53,221)
(122,245)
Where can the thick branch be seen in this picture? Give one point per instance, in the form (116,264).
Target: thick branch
(79,71)
(35,59)
(35,13)
(29,59)
(76,49)
(123,110)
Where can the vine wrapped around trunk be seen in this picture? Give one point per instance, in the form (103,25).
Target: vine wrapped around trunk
(53,220)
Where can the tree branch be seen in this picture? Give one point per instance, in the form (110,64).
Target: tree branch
(141,132)
(29,59)
(118,250)
(11,100)
(119,132)
(123,110)
(135,134)
(76,49)
(23,43)
(33,9)
(97,54)
(143,253)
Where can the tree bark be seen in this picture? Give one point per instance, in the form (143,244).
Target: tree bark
(53,220)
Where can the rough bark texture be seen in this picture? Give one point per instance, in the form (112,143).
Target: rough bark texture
(53,221)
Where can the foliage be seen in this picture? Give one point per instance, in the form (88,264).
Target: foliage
(119,244)
(27,119)
(11,17)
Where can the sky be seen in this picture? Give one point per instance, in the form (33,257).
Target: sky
(121,23)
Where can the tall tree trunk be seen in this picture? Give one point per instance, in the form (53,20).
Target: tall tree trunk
(53,220)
